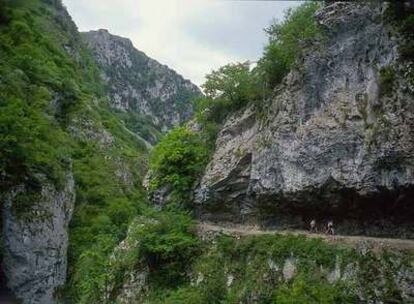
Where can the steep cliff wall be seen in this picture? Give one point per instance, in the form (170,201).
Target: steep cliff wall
(54,112)
(137,83)
(36,240)
(335,140)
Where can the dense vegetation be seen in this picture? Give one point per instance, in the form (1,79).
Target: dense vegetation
(177,161)
(180,269)
(32,71)
(141,125)
(54,120)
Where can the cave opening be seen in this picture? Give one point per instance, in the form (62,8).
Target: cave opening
(386,213)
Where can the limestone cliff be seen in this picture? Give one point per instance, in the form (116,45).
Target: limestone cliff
(137,83)
(54,112)
(335,140)
(36,241)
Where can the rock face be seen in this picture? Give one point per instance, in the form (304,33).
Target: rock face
(36,241)
(336,139)
(140,84)
(134,286)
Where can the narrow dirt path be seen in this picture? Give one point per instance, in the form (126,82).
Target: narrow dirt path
(376,244)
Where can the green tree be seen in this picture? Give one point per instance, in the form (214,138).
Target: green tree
(286,41)
(232,82)
(177,161)
(169,245)
(227,89)
(92,277)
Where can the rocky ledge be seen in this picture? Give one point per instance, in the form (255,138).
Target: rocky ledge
(335,140)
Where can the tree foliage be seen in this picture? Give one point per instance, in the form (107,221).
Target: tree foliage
(227,89)
(43,87)
(232,82)
(168,245)
(286,41)
(177,161)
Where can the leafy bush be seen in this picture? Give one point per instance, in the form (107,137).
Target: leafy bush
(163,243)
(255,265)
(227,90)
(91,278)
(168,245)
(286,41)
(177,161)
(188,295)
(308,289)
(233,83)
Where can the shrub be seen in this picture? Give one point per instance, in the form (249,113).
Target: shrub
(169,245)
(188,295)
(20,32)
(232,82)
(286,41)
(177,161)
(227,90)
(163,242)
(92,277)
(306,289)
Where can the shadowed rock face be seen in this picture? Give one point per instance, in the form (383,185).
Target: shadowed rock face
(140,84)
(333,142)
(36,241)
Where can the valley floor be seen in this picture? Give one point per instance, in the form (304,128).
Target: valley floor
(374,243)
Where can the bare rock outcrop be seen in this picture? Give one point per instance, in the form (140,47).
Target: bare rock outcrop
(335,140)
(35,236)
(140,84)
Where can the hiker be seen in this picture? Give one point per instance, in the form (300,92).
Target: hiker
(330,229)
(313,228)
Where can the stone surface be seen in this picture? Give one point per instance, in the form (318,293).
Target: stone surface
(140,84)
(36,241)
(134,285)
(330,142)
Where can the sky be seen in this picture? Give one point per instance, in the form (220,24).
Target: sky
(193,37)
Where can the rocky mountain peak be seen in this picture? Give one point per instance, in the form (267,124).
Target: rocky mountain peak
(136,83)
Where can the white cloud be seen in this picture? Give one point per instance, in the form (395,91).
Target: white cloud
(191,36)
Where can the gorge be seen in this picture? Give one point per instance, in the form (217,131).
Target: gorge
(121,182)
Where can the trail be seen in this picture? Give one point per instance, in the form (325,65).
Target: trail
(374,243)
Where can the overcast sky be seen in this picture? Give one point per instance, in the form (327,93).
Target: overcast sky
(191,36)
